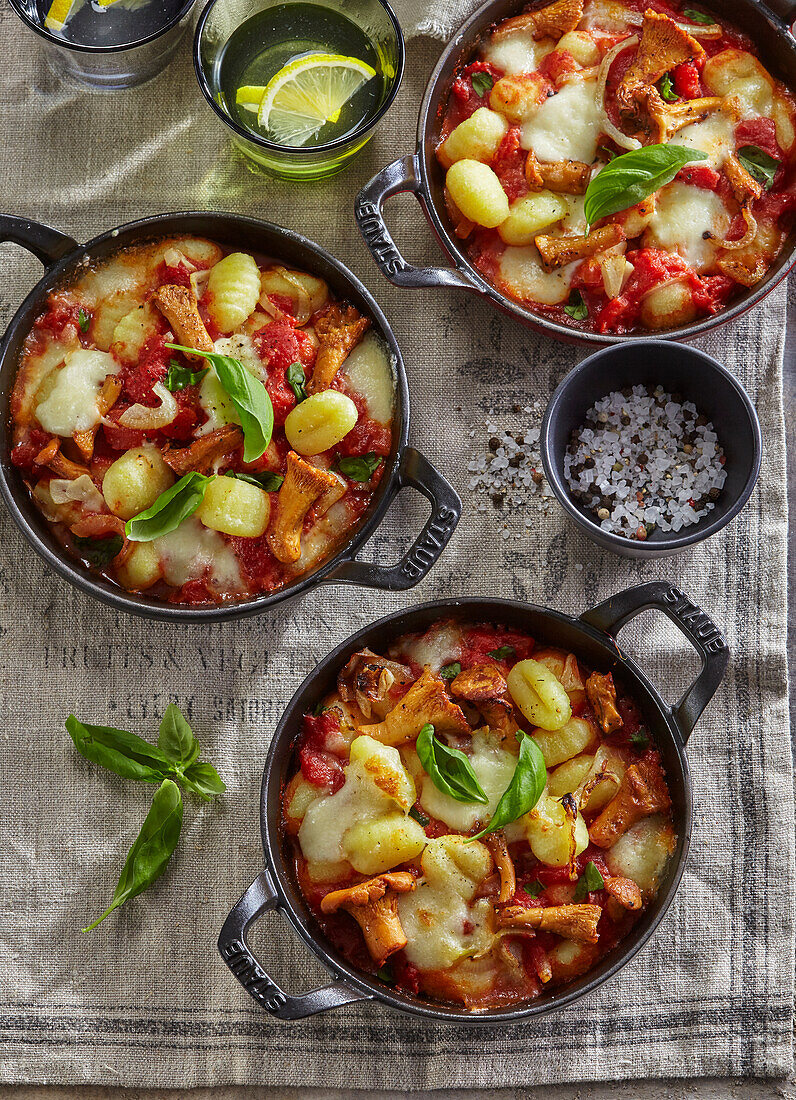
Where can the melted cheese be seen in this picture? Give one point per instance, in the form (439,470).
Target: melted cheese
(566,126)
(438,647)
(493,767)
(189,552)
(715,136)
(738,74)
(370,375)
(518,52)
(213,398)
(690,221)
(522,273)
(440,919)
(642,853)
(607,15)
(71,405)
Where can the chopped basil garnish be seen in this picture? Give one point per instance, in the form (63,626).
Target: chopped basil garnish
(760,165)
(269,481)
(178,377)
(318,710)
(98,551)
(449,769)
(534,888)
(482,83)
(384,974)
(83,319)
(589,882)
(502,653)
(297,380)
(667,89)
(576,307)
(419,817)
(169,510)
(699,17)
(360,467)
(450,672)
(641,738)
(629,178)
(524,790)
(248,395)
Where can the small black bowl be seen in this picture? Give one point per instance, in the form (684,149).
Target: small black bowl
(679,369)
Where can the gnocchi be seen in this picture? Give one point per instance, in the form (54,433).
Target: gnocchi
(320,422)
(233,290)
(477,192)
(539,695)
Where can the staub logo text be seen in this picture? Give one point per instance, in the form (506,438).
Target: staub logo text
(255,980)
(379,240)
(428,548)
(694,617)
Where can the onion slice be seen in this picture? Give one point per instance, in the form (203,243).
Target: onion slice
(82,489)
(612,131)
(749,235)
(142,418)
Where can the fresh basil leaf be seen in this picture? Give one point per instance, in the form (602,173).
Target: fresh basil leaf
(451,671)
(629,178)
(384,974)
(360,467)
(178,502)
(297,380)
(699,17)
(98,551)
(83,319)
(248,395)
(760,165)
(449,769)
(269,481)
(524,790)
(534,888)
(176,738)
(178,377)
(503,652)
(203,779)
(589,882)
(640,739)
(121,752)
(419,817)
(482,83)
(667,89)
(576,307)
(151,850)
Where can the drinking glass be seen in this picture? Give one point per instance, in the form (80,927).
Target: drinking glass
(218,22)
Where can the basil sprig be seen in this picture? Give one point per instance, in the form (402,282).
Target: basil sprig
(699,17)
(449,769)
(576,307)
(759,164)
(667,89)
(589,882)
(297,380)
(534,888)
(98,551)
(502,653)
(524,790)
(451,671)
(152,848)
(482,83)
(268,480)
(175,757)
(629,178)
(248,395)
(360,467)
(83,319)
(178,377)
(178,502)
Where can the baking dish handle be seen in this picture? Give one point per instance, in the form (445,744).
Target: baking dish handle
(46,244)
(416,472)
(785,9)
(701,631)
(402,175)
(236,953)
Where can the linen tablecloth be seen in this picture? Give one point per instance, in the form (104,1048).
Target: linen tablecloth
(145,1000)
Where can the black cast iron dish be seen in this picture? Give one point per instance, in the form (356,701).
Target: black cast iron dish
(406,466)
(592,637)
(768,25)
(679,369)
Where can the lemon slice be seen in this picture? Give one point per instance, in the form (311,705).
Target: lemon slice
(57,16)
(250,96)
(308,93)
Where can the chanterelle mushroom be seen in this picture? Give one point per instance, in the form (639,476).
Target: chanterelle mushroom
(601,693)
(560,251)
(642,792)
(573,922)
(367,679)
(745,187)
(485,687)
(338,330)
(663,45)
(51,457)
(178,305)
(499,849)
(426,701)
(552,21)
(624,891)
(372,905)
(202,453)
(665,119)
(106,399)
(568,176)
(302,486)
